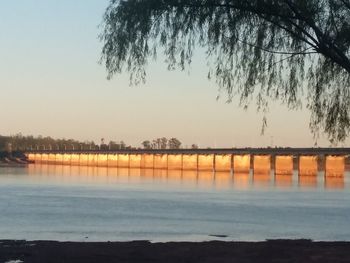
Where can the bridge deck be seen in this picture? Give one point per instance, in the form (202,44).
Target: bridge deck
(254,151)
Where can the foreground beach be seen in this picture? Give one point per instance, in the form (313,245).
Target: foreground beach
(144,251)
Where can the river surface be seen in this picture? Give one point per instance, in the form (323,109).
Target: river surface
(49,202)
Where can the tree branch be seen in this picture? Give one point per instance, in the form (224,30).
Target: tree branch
(278,52)
(339,57)
(346,3)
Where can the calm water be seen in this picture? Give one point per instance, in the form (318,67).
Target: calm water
(100,204)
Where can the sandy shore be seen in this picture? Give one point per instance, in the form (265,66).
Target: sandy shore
(143,251)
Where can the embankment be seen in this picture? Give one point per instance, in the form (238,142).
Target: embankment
(13,159)
(178,252)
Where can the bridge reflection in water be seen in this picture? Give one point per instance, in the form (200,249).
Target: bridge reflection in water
(184,178)
(219,170)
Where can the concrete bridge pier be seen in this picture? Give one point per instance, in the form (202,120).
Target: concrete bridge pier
(205,162)
(307,165)
(189,162)
(175,161)
(160,161)
(335,166)
(284,164)
(261,164)
(223,162)
(135,160)
(241,163)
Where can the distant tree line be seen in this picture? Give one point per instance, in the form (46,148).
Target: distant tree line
(20,142)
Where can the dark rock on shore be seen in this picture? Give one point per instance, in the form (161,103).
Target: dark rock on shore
(14,159)
(143,251)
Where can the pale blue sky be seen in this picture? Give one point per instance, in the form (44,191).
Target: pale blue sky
(51,84)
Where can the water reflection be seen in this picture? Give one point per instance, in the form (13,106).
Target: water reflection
(223,180)
(184,178)
(160,175)
(308,181)
(262,179)
(284,180)
(174,175)
(206,179)
(332,182)
(147,173)
(189,178)
(241,180)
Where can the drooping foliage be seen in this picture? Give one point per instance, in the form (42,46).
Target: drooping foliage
(263,49)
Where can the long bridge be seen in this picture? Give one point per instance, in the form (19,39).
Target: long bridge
(308,161)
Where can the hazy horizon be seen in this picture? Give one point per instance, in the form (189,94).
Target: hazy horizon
(52,85)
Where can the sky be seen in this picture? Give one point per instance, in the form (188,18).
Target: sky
(51,84)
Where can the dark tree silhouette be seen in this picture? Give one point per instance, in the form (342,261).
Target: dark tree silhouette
(174,143)
(265,49)
(146,144)
(163,143)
